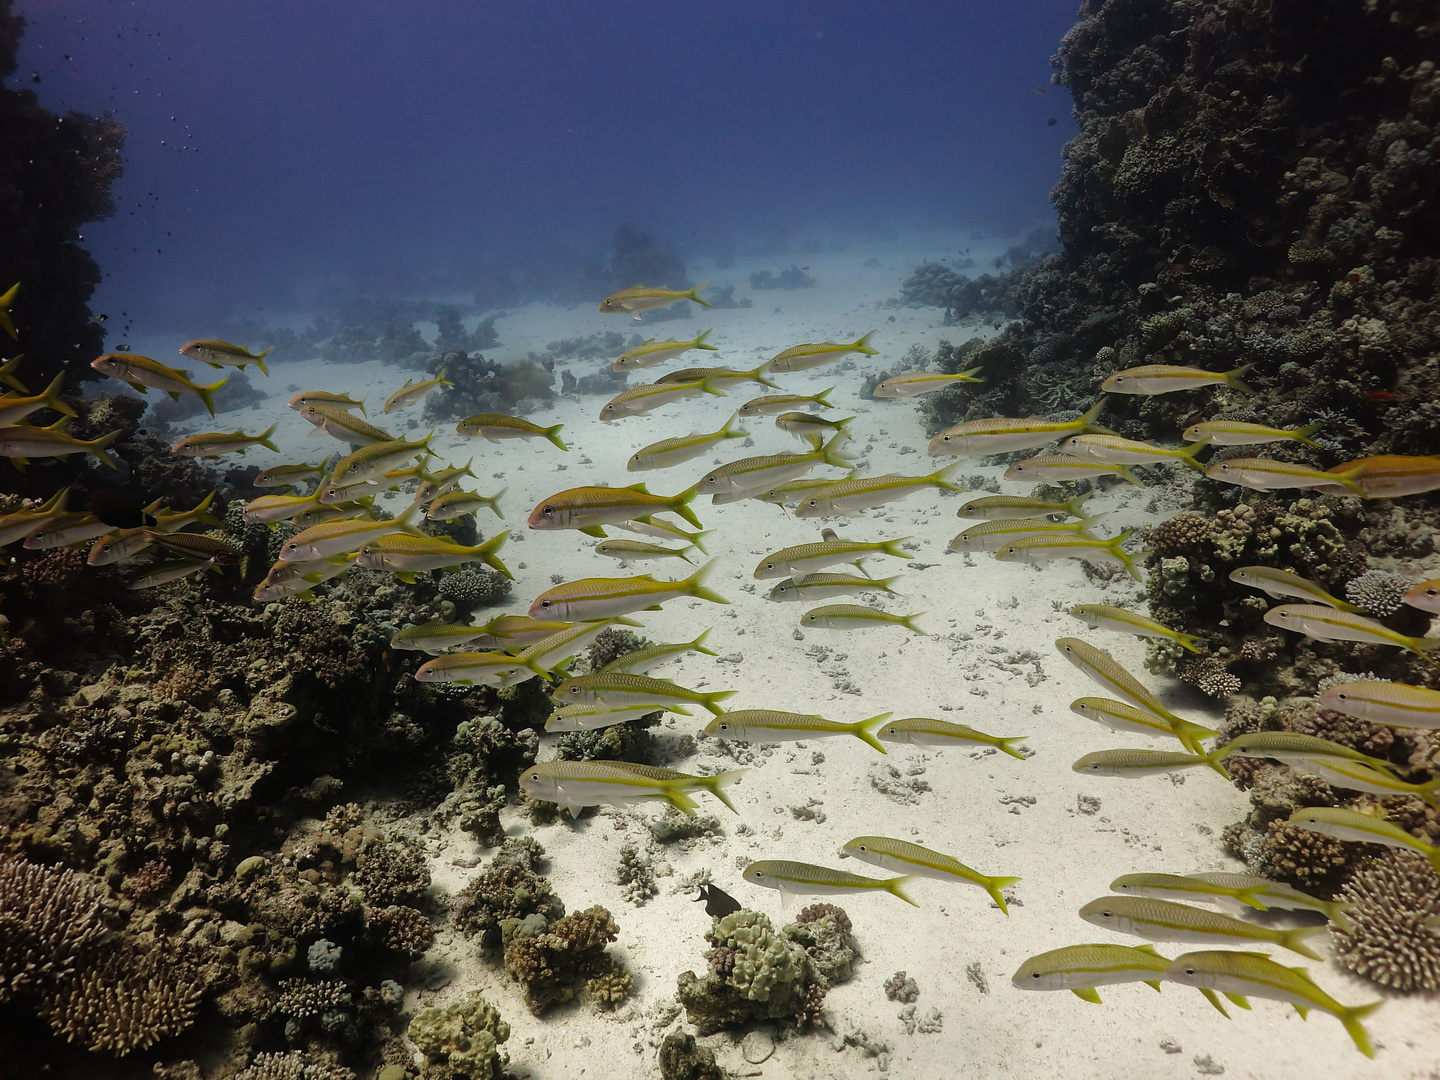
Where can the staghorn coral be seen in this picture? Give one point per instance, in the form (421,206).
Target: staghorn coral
(464,1037)
(1395,902)
(49,918)
(129,1000)
(295,1065)
(554,965)
(302,999)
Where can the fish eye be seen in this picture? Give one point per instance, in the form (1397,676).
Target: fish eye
(545,603)
(534,776)
(724,727)
(1035,974)
(1343,697)
(1190,971)
(864,848)
(1105,914)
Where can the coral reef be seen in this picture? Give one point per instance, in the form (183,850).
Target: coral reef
(480,386)
(464,1038)
(48,919)
(636,876)
(509,891)
(682,1058)
(1395,902)
(556,963)
(792,277)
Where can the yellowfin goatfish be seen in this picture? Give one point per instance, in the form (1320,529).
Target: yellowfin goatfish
(639,400)
(1264,474)
(518,631)
(1237,433)
(268,509)
(141,372)
(1342,824)
(325,397)
(1292,748)
(1106,670)
(1167,378)
(779,403)
(1387,476)
(624,688)
(908,386)
(1241,974)
(643,661)
(1277,894)
(1005,435)
(805,879)
(8,369)
(592,716)
(1128,763)
(413,392)
(856,617)
(1180,887)
(805,559)
(405,554)
(287,475)
(198,546)
(21,443)
(1278,583)
(1123,621)
(790,494)
(222,354)
(578,784)
(341,537)
(600,598)
(454,504)
(297,579)
(913,860)
(720,377)
(751,474)
(554,650)
(64,530)
(7,301)
(769,726)
(1393,704)
(369,463)
(994,535)
(216,444)
(1357,776)
(1165,920)
(668,452)
(805,357)
(1018,507)
(1081,968)
(17,525)
(320,513)
(167,521)
(1050,467)
(119,547)
(476,668)
(804,426)
(341,424)
(1044,548)
(648,526)
(824,586)
(1121,716)
(864,493)
(653,353)
(588,508)
(924,731)
(14,409)
(1115,450)
(638,298)
(435,636)
(442,481)
(495,427)
(166,572)
(638,550)
(1425,596)
(1323,623)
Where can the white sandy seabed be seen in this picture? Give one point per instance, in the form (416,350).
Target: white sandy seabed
(989,661)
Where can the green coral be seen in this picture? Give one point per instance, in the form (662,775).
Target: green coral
(766,966)
(463,1037)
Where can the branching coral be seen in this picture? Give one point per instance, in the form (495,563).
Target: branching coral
(1395,906)
(129,1000)
(48,918)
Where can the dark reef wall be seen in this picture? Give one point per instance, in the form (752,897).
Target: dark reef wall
(55,175)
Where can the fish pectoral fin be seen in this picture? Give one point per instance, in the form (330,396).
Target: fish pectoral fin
(1239,999)
(139,388)
(406,576)
(1214,999)
(1087,993)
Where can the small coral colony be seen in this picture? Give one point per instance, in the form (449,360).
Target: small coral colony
(340,526)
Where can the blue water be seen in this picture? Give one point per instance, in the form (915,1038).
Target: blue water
(282,155)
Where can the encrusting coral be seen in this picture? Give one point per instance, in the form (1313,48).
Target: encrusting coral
(1394,907)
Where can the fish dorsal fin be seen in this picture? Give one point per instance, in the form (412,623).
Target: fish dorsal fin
(1147,948)
(1303,973)
(640,487)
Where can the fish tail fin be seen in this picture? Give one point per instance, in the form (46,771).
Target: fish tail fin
(264,437)
(681,801)
(695,540)
(993,885)
(1302,435)
(1124,470)
(861,730)
(761,373)
(716,786)
(487,552)
(892,547)
(1114,546)
(1232,379)
(1072,506)
(494,502)
(51,396)
(1294,940)
(1003,745)
(680,505)
(909,623)
(895,884)
(1188,641)
(700,341)
(1214,759)
(694,294)
(207,394)
(553,434)
(1351,1019)
(823,397)
(968,375)
(1187,455)
(260,359)
(696,584)
(863,345)
(1337,911)
(942,477)
(698,645)
(832,454)
(1090,415)
(98,448)
(709,701)
(729,431)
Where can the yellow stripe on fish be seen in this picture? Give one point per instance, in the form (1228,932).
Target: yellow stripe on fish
(1165,920)
(599,598)
(926,731)
(770,726)
(578,784)
(1167,378)
(495,427)
(652,353)
(805,879)
(1005,435)
(1124,621)
(1278,583)
(677,451)
(912,859)
(1392,704)
(1321,623)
